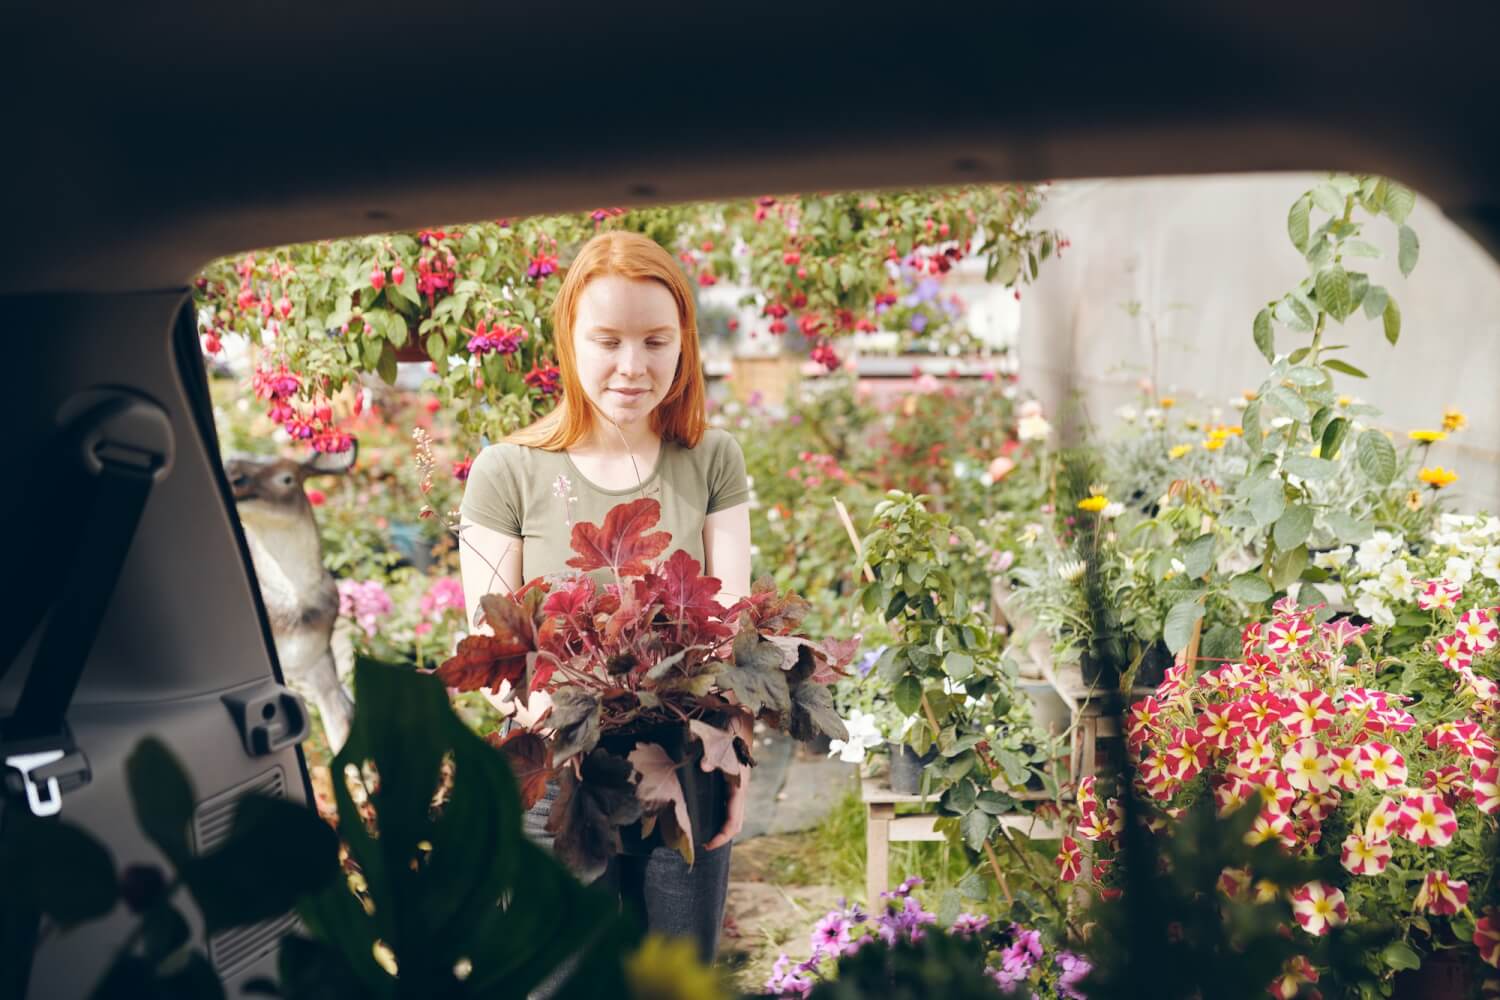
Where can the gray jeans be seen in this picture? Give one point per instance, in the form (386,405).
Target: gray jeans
(659,888)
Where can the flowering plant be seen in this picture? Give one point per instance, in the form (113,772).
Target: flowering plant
(650,647)
(1345,762)
(1013,957)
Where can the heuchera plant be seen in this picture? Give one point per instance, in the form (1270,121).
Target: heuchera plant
(1400,789)
(650,646)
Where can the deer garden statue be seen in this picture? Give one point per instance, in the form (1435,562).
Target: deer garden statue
(301,598)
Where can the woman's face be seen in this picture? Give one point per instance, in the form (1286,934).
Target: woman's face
(627,340)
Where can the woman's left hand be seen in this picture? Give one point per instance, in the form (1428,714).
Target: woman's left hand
(738,795)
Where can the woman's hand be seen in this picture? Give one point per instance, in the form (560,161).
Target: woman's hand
(738,796)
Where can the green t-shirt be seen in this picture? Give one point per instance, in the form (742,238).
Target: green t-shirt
(519,491)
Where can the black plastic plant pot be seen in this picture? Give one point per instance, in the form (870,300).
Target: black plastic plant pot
(1153,668)
(706,795)
(906,767)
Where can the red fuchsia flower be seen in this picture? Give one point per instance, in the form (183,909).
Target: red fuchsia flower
(546,379)
(542,264)
(1308,712)
(1428,821)
(1345,772)
(1478,629)
(273,384)
(1439,594)
(1382,765)
(332,442)
(1486,788)
(1487,937)
(824,355)
(1453,652)
(1297,973)
(1364,856)
(1319,907)
(1442,896)
(461,468)
(1307,766)
(1069,860)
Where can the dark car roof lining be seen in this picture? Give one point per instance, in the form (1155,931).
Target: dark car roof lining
(152,144)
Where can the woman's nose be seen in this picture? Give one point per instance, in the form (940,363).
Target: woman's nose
(631,360)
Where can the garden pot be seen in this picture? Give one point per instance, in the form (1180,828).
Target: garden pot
(1442,975)
(1153,668)
(906,767)
(1048,710)
(706,795)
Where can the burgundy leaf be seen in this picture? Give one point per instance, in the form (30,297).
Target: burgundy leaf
(530,761)
(687,595)
(589,811)
(621,543)
(485,661)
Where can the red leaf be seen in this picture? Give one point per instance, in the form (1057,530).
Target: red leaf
(621,543)
(572,599)
(484,661)
(771,611)
(529,760)
(660,786)
(686,595)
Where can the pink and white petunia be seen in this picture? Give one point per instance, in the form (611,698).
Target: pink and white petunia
(1262,710)
(1390,720)
(1186,755)
(1453,653)
(1308,713)
(1319,907)
(1478,630)
(1449,780)
(1315,807)
(1340,632)
(1442,896)
(1364,856)
(1439,594)
(1221,725)
(1256,753)
(1231,793)
(1382,765)
(1427,820)
(1487,938)
(1308,766)
(1295,974)
(1069,860)
(1287,634)
(1385,820)
(1275,788)
(1487,788)
(1345,772)
(1270,825)
(1234,882)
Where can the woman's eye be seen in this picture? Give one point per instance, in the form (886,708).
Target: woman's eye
(610,344)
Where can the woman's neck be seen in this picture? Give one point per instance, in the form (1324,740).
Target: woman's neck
(607,437)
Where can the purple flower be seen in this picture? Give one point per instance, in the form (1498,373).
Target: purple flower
(918,323)
(969,924)
(1073,970)
(788,982)
(867,662)
(830,935)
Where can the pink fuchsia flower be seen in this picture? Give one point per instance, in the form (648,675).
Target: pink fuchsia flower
(1345,772)
(1319,907)
(1487,788)
(1364,856)
(831,934)
(1308,713)
(1297,973)
(1487,937)
(1439,594)
(1385,820)
(1382,765)
(1442,896)
(1307,766)
(1453,652)
(1428,821)
(1069,860)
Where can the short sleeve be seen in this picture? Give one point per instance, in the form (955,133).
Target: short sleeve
(492,496)
(727,486)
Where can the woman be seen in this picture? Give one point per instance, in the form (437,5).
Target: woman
(631,423)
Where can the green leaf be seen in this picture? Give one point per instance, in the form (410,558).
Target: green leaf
(1306,376)
(958,666)
(977,827)
(1400,955)
(1297,222)
(1198,556)
(1333,438)
(1406,254)
(1375,300)
(1399,201)
(386,366)
(1325,197)
(1333,292)
(973,886)
(162,797)
(1288,566)
(1250,424)
(1360,248)
(1265,337)
(1267,500)
(908,695)
(1345,367)
(995,803)
(1293,527)
(1250,588)
(1377,457)
(1179,624)
(1289,402)
(1308,467)
(1348,530)
(1392,320)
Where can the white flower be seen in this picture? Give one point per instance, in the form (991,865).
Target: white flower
(1112,510)
(1458,569)
(1277,423)
(1489,566)
(1397,580)
(1152,417)
(1072,571)
(1033,428)
(1030,408)
(864,735)
(1128,414)
(986,481)
(1031,533)
(1374,608)
(773,514)
(1238,402)
(1334,558)
(1379,549)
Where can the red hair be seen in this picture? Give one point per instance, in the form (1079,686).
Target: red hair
(680,415)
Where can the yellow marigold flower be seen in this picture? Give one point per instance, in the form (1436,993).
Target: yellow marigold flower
(1179,450)
(1454,420)
(1427,437)
(1413,499)
(1437,477)
(1213,444)
(1094,504)
(668,969)
(1167,402)
(1218,433)
(1345,400)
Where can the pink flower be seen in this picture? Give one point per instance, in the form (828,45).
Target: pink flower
(1393,720)
(1297,973)
(1478,630)
(1308,766)
(1453,652)
(1427,820)
(1318,907)
(1069,860)
(445,592)
(1000,468)
(1382,765)
(1271,824)
(1287,634)
(1364,856)
(365,601)
(1487,788)
(1442,896)
(1448,779)
(1186,755)
(1346,768)
(1438,594)
(831,934)
(1309,712)
(1220,725)
(1231,793)
(1385,820)
(1487,937)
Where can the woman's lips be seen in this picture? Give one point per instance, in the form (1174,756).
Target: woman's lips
(632,393)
